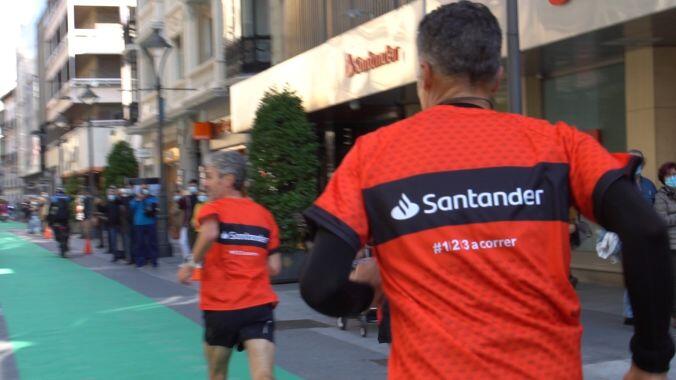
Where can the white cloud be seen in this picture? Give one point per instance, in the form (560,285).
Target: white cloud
(12,17)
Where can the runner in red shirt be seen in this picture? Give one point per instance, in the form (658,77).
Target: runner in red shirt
(236,243)
(468,211)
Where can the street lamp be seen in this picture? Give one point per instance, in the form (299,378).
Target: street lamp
(157,49)
(62,123)
(89,97)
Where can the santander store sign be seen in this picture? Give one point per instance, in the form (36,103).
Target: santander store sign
(357,65)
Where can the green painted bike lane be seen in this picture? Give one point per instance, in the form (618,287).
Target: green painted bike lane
(66,321)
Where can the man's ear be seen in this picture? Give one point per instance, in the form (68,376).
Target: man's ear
(498,79)
(228,180)
(426,74)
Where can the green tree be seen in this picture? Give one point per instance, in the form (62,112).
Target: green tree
(73,185)
(284,162)
(121,164)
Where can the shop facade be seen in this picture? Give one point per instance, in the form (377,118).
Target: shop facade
(608,69)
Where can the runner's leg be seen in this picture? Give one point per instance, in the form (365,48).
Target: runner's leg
(261,353)
(217,360)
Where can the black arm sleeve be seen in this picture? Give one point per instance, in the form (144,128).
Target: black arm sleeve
(646,260)
(324,285)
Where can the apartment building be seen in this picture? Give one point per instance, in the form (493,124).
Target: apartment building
(28,150)
(214,43)
(12,185)
(80,46)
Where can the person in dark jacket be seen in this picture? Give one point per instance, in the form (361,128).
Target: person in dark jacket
(644,185)
(113,215)
(187,204)
(665,205)
(125,195)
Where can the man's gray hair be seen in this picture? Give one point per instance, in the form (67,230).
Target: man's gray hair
(462,38)
(230,162)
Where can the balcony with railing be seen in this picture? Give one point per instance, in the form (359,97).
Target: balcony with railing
(107,89)
(248,55)
(103,39)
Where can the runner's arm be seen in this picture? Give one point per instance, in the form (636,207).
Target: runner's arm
(325,284)
(646,260)
(274,263)
(208,234)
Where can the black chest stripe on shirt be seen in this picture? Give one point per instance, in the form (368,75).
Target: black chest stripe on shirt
(242,234)
(428,201)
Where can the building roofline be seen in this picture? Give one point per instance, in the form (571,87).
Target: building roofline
(8,94)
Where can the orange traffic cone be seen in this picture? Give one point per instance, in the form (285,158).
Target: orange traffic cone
(48,234)
(197,273)
(88,247)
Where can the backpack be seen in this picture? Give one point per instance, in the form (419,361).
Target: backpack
(58,211)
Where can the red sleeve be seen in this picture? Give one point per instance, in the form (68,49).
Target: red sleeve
(208,210)
(592,169)
(340,208)
(273,244)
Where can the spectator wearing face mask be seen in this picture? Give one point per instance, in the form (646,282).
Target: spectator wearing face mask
(202,198)
(126,195)
(665,205)
(144,207)
(187,204)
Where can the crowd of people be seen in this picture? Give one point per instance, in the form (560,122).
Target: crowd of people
(123,222)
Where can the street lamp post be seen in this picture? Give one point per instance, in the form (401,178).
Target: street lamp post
(157,49)
(62,123)
(89,97)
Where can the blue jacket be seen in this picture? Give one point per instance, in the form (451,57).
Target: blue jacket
(647,189)
(139,208)
(55,198)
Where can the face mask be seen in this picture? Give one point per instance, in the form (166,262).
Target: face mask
(177,198)
(671,181)
(111,197)
(202,198)
(192,189)
(145,191)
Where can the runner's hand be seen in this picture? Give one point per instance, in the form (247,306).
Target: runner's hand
(636,373)
(367,272)
(184,274)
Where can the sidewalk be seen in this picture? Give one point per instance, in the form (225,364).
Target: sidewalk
(310,345)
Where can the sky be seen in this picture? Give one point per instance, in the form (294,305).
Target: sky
(17,28)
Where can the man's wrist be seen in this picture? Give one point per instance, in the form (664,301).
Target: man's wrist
(190,264)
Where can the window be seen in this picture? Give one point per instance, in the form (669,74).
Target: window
(255,19)
(254,48)
(592,99)
(205,38)
(177,52)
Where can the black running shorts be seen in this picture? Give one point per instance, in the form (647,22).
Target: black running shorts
(234,327)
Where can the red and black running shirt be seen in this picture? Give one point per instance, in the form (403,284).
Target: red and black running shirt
(468,211)
(235,271)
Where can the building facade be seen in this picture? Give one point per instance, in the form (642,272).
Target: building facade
(81,45)
(214,43)
(12,185)
(30,168)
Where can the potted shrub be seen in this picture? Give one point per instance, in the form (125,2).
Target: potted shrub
(284,167)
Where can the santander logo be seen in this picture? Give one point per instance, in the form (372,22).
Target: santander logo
(405,210)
